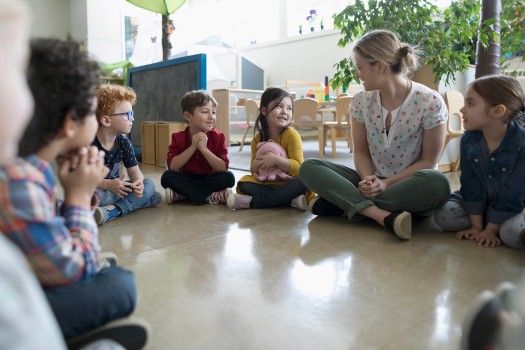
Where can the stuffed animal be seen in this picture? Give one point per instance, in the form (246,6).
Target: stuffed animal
(275,174)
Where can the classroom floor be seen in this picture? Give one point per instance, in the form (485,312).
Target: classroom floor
(211,278)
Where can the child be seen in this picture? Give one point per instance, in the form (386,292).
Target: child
(61,243)
(273,123)
(25,316)
(198,156)
(398,128)
(488,207)
(115,117)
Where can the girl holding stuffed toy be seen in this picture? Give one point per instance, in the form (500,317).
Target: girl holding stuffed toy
(273,123)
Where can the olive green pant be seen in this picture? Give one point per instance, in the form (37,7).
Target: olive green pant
(420,193)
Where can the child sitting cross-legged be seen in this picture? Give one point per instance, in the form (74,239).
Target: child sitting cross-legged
(60,239)
(115,117)
(198,156)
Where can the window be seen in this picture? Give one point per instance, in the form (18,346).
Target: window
(299,10)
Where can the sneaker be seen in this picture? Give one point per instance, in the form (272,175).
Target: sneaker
(131,334)
(107,259)
(321,207)
(103,215)
(299,202)
(219,197)
(238,201)
(506,292)
(153,201)
(482,326)
(172,197)
(400,224)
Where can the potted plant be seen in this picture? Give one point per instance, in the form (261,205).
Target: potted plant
(445,38)
(311,19)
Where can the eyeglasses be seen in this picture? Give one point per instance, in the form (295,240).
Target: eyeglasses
(128,115)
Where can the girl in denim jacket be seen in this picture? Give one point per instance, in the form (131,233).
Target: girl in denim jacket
(488,207)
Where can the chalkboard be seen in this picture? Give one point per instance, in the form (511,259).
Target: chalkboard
(160,87)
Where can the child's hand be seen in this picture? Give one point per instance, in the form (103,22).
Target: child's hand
(197,139)
(138,188)
(268,161)
(471,233)
(487,239)
(81,181)
(119,187)
(74,157)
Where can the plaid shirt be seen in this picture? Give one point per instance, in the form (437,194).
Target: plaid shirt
(61,248)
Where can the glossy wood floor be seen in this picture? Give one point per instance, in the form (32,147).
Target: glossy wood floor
(211,278)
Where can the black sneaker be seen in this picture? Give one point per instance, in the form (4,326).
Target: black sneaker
(130,334)
(321,207)
(400,224)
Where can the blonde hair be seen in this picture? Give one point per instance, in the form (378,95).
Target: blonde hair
(384,46)
(501,90)
(111,94)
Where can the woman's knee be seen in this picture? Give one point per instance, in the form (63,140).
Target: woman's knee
(435,182)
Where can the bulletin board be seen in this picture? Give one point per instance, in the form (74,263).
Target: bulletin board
(160,87)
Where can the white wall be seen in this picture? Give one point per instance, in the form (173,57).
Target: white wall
(51,18)
(309,57)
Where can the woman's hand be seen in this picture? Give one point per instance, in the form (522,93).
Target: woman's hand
(371,186)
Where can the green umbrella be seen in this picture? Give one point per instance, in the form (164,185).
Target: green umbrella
(164,7)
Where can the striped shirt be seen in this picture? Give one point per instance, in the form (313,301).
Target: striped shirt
(59,242)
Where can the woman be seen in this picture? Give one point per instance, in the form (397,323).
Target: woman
(398,127)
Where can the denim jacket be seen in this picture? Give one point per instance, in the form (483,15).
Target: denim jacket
(493,184)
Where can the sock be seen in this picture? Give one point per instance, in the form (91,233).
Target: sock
(113,213)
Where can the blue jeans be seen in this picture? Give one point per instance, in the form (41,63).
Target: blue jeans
(130,202)
(89,304)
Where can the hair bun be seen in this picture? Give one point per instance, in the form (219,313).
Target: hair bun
(404,51)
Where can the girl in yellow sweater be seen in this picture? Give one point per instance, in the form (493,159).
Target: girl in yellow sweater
(273,122)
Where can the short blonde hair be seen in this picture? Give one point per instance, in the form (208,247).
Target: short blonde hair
(384,46)
(111,94)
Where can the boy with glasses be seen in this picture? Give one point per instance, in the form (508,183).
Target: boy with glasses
(119,197)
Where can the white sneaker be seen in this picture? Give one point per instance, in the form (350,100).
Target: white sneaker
(238,201)
(299,202)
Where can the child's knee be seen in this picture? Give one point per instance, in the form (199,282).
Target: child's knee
(512,232)
(149,186)
(451,217)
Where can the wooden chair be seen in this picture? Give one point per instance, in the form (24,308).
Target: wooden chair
(252,111)
(454,100)
(341,123)
(305,118)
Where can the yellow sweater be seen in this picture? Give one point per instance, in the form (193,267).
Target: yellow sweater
(290,140)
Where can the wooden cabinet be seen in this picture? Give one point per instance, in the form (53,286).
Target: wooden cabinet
(155,139)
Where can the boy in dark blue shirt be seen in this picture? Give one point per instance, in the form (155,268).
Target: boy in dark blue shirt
(115,118)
